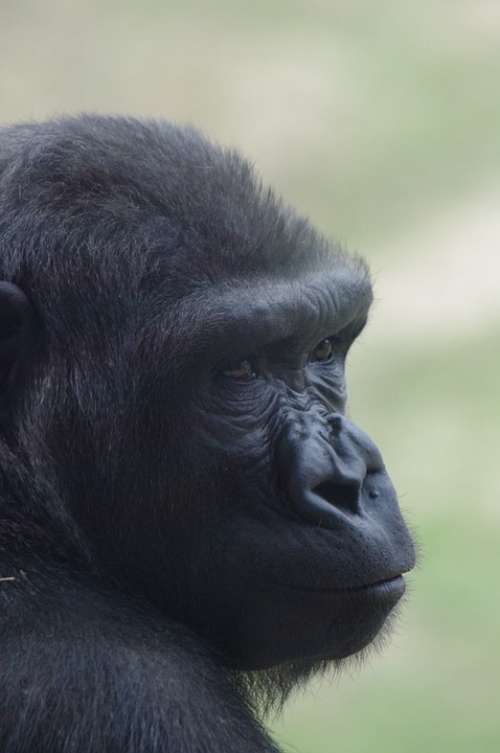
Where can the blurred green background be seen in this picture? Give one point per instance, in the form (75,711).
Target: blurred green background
(382,122)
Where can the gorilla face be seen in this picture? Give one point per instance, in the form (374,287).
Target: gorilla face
(306,545)
(188,390)
(288,540)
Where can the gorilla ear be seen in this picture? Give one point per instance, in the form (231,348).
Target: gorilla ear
(16,319)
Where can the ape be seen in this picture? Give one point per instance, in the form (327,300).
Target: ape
(189,524)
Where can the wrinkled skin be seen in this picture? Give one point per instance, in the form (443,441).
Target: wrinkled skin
(179,479)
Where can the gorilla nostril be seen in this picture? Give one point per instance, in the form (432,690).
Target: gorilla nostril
(344,495)
(335,423)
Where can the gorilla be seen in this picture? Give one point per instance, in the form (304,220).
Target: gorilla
(190,526)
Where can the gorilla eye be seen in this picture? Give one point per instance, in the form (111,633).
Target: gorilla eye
(323,351)
(241,370)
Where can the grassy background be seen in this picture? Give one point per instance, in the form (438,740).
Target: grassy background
(382,122)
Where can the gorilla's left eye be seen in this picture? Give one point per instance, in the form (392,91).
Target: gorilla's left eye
(323,351)
(242,370)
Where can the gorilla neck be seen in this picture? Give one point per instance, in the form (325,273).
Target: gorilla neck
(267,690)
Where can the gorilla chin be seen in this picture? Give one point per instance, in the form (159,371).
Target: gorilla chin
(314,626)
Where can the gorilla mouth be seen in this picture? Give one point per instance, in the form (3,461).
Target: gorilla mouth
(388,587)
(396,583)
(383,593)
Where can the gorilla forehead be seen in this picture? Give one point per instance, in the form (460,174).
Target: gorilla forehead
(164,191)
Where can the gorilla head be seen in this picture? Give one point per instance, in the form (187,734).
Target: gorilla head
(173,348)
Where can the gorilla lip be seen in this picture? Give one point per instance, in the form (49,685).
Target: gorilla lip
(397,583)
(389,587)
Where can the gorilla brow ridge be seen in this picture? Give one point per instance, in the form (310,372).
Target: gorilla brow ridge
(249,322)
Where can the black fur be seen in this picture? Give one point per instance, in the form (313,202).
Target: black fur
(167,559)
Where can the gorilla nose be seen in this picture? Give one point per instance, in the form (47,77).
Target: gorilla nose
(324,495)
(326,476)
